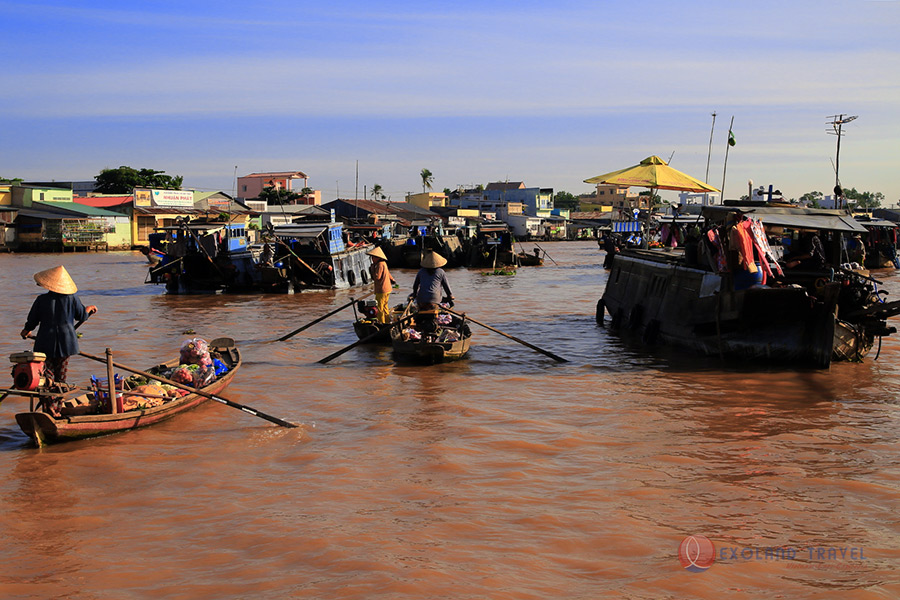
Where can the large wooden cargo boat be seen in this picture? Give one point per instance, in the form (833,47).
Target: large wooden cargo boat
(214,257)
(803,316)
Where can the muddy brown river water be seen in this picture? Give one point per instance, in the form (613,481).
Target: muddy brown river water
(504,476)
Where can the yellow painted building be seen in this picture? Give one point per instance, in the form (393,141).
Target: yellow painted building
(428,200)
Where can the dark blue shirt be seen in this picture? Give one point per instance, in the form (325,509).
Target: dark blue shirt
(428,284)
(56,314)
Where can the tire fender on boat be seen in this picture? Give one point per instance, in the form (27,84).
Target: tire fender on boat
(601,309)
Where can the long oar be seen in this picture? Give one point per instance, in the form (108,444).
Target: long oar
(323,317)
(512,337)
(224,401)
(365,339)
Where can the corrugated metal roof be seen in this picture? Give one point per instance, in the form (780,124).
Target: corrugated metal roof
(104,201)
(50,215)
(297,174)
(76,208)
(797,218)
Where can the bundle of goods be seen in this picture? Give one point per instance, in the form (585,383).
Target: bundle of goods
(411,334)
(150,395)
(197,367)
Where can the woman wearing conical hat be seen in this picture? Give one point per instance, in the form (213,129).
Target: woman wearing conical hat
(383,281)
(56,313)
(430,282)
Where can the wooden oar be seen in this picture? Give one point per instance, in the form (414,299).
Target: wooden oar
(512,337)
(322,318)
(365,339)
(220,399)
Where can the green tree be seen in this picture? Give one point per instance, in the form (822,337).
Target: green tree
(14,181)
(863,200)
(277,196)
(427,179)
(566,200)
(124,179)
(378,192)
(811,199)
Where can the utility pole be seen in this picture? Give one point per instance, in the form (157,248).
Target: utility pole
(837,123)
(708,155)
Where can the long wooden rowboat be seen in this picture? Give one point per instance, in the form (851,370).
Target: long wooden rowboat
(448,343)
(44,428)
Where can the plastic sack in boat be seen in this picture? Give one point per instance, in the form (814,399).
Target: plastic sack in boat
(196,352)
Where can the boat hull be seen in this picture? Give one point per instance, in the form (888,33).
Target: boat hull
(661,301)
(432,348)
(430,352)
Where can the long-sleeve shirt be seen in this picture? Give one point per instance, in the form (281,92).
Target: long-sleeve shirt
(56,314)
(381,277)
(428,285)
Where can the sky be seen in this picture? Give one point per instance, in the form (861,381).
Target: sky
(359,93)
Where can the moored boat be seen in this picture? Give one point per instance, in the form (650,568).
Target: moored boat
(697,299)
(86,414)
(216,257)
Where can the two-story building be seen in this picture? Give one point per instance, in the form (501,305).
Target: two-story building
(251,186)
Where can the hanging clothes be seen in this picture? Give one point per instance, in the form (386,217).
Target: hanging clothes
(762,244)
(721,264)
(740,241)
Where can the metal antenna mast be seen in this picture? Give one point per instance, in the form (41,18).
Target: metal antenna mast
(708,156)
(837,123)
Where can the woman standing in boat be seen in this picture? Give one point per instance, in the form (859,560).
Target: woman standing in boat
(430,281)
(56,313)
(383,281)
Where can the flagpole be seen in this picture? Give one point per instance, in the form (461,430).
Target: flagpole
(727,147)
(708,156)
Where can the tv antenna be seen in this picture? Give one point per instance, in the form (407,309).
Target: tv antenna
(837,122)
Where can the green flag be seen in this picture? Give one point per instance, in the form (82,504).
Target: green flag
(731,141)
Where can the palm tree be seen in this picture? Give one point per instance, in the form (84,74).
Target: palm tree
(377,192)
(427,179)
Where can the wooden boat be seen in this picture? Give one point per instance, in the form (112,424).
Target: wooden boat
(214,257)
(366,324)
(525,259)
(449,341)
(44,428)
(807,317)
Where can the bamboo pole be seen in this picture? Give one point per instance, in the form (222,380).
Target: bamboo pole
(111,381)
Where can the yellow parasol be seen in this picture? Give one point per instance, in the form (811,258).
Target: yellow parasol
(653,173)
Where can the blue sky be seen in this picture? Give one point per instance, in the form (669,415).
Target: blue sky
(545,93)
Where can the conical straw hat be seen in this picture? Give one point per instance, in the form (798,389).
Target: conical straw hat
(377,253)
(433,260)
(56,280)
